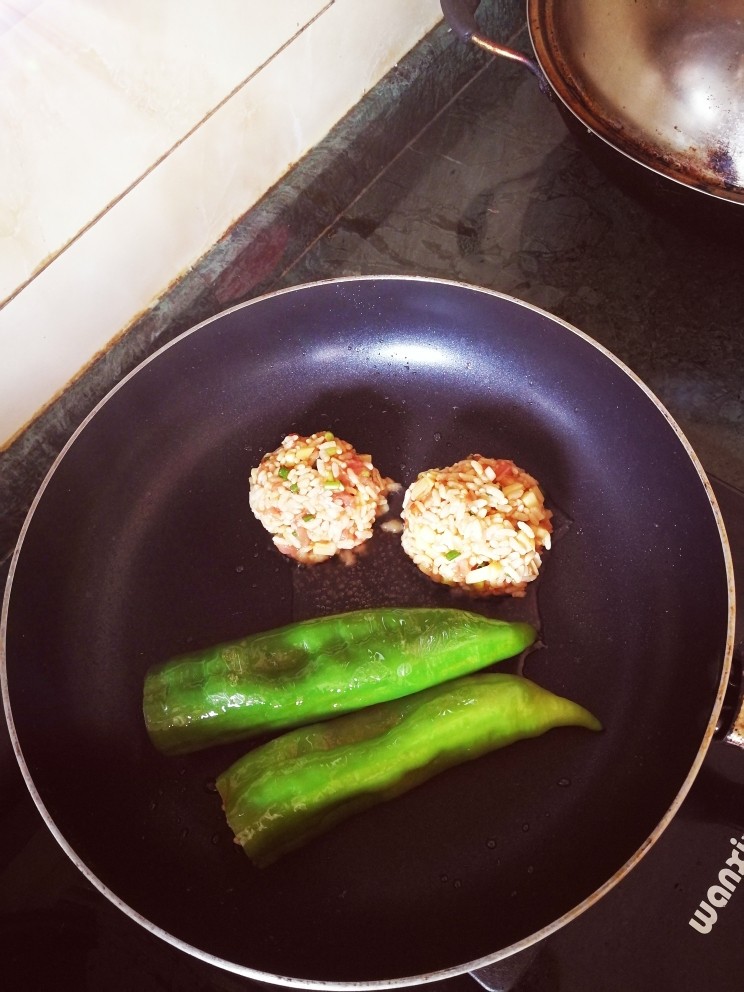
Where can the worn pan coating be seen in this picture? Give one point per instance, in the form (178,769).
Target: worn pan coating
(141,545)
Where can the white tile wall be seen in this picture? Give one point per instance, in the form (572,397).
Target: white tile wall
(136,133)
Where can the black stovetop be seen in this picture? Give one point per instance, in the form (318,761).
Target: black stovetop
(495,193)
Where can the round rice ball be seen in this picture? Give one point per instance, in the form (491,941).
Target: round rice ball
(480,524)
(317,496)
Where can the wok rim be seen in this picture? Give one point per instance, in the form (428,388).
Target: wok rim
(549,60)
(502,953)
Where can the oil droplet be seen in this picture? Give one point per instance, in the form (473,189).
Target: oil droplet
(240,568)
(530,869)
(525,828)
(210,785)
(443,878)
(491,843)
(437,436)
(564,782)
(457,883)
(153,805)
(184,833)
(215,839)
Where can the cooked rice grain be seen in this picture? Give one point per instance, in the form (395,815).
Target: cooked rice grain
(480,524)
(317,496)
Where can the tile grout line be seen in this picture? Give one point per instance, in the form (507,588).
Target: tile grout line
(161,158)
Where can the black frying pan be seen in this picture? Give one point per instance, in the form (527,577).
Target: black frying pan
(141,545)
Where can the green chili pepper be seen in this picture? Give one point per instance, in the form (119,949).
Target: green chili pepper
(300,784)
(312,669)
(451,555)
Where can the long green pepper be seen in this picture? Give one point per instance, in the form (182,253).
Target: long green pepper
(313,669)
(298,785)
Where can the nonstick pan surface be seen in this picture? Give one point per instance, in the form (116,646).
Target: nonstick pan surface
(141,545)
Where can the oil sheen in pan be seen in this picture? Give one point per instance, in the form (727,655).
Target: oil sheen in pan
(383,575)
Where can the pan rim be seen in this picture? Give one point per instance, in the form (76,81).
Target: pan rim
(495,956)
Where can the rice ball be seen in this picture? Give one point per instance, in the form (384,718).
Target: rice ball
(480,525)
(317,496)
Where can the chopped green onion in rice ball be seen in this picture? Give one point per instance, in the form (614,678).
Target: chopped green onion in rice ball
(480,524)
(317,496)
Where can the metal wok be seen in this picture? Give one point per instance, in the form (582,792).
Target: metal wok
(654,90)
(140,545)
